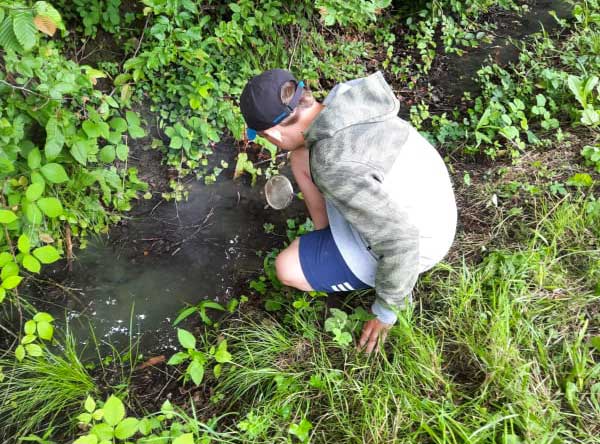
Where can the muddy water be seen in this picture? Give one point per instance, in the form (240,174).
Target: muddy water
(134,281)
(459,71)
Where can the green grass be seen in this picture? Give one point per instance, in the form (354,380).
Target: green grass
(41,393)
(495,352)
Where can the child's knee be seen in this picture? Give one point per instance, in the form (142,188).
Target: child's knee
(283,270)
(285,267)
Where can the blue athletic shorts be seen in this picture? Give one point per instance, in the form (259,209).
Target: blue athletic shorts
(323,265)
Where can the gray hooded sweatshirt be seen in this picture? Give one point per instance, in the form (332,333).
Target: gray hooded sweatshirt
(354,143)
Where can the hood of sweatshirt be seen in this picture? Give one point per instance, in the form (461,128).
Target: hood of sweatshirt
(368,100)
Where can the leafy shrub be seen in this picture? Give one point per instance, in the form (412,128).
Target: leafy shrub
(62,145)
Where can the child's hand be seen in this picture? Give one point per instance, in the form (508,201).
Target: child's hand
(373,331)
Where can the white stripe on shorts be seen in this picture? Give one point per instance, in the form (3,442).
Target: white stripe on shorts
(350,287)
(335,288)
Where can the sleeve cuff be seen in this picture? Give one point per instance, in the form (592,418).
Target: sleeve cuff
(383,312)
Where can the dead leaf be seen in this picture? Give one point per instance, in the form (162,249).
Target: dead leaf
(154,360)
(45,24)
(46,238)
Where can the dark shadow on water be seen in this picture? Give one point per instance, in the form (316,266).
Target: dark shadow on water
(136,279)
(459,71)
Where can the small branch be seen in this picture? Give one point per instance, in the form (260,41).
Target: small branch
(271,160)
(137,49)
(9,331)
(69,247)
(294,50)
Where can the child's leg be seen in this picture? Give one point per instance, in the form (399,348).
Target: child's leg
(289,270)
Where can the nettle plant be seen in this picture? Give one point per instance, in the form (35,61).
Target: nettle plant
(40,327)
(342,326)
(63,145)
(107,423)
(198,360)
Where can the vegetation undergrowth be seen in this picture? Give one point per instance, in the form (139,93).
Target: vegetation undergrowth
(192,61)
(63,147)
(550,91)
(44,389)
(502,350)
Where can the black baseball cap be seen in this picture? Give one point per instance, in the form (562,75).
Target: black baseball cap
(261,103)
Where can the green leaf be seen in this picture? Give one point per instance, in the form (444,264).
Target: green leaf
(33,213)
(55,173)
(222,355)
(29,327)
(86,439)
(36,177)
(54,139)
(11,282)
(595,341)
(95,129)
(45,330)
(6,166)
(186,339)
(177,358)
(146,426)
(103,431)
(132,118)
(126,428)
(571,394)
(7,216)
(5,258)
(301,430)
(42,316)
(24,29)
(176,142)
(34,350)
(79,151)
(122,152)
(23,244)
(46,254)
(9,269)
(114,411)
(31,263)
(8,40)
(28,339)
(34,159)
(20,352)
(89,404)
(136,132)
(186,438)
(50,206)
(580,180)
(118,124)
(107,154)
(184,314)
(196,371)
(590,116)
(34,191)
(2,294)
(84,418)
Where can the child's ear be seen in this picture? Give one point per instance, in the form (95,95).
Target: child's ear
(273,135)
